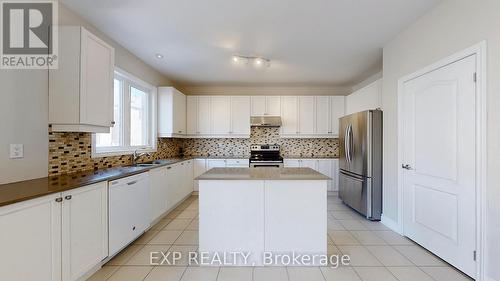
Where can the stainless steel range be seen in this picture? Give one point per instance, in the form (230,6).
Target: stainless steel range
(265,155)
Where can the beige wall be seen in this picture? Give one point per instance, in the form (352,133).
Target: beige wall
(24,108)
(451,27)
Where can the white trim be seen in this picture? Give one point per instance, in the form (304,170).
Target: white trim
(390,223)
(480,50)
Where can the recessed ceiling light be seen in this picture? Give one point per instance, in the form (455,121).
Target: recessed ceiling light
(159,56)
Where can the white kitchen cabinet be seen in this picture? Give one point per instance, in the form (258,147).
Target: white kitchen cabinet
(81,88)
(171,112)
(84,229)
(31,240)
(159,185)
(199,167)
(237,163)
(216,163)
(187,177)
(291,163)
(335,175)
(221,115)
(309,163)
(204,116)
(266,105)
(336,112)
(175,182)
(240,116)
(323,120)
(289,115)
(325,166)
(192,115)
(307,116)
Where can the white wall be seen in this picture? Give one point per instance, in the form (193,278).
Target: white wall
(452,26)
(24,108)
(366,98)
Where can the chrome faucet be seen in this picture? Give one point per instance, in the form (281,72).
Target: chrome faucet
(136,156)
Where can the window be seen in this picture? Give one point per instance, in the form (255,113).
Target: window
(134,116)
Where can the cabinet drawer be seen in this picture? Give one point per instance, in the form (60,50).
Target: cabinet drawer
(237,163)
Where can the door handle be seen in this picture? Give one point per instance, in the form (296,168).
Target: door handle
(68,197)
(131,183)
(406,166)
(351,143)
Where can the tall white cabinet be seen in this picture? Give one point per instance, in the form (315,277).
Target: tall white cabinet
(171,112)
(81,89)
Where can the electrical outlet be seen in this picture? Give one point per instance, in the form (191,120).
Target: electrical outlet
(16,151)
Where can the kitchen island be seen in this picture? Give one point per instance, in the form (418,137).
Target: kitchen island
(258,216)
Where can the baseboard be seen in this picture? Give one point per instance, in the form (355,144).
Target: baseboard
(393,225)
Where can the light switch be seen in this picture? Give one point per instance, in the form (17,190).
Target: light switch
(16,151)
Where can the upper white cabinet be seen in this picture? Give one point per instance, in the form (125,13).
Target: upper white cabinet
(307,118)
(266,105)
(289,116)
(221,115)
(323,120)
(171,112)
(218,116)
(81,89)
(240,115)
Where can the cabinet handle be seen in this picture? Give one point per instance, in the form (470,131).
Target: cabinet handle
(59,199)
(182,164)
(168,168)
(68,197)
(180,132)
(131,183)
(133,228)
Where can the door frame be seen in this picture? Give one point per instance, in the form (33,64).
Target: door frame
(480,50)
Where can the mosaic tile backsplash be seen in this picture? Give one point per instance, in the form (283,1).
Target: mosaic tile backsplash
(71,152)
(262,135)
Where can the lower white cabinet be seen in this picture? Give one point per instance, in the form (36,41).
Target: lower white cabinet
(159,188)
(328,167)
(84,229)
(179,181)
(61,236)
(199,167)
(216,163)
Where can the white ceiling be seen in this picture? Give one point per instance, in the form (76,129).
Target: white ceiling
(310,42)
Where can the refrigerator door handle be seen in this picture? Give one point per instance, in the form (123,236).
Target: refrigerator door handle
(351,144)
(346,143)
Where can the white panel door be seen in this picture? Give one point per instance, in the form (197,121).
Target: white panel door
(240,115)
(221,115)
(306,115)
(174,175)
(336,112)
(192,115)
(258,106)
(291,163)
(439,141)
(325,167)
(273,105)
(96,93)
(335,174)
(84,229)
(289,115)
(216,163)
(30,240)
(204,116)
(179,113)
(323,120)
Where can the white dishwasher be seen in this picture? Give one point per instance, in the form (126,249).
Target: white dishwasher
(129,210)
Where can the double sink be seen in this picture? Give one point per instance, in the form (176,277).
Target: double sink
(153,163)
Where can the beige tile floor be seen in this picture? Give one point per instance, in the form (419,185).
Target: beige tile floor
(377,254)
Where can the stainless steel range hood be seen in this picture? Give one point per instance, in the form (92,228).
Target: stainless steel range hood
(265,121)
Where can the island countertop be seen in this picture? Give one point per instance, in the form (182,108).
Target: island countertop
(266,173)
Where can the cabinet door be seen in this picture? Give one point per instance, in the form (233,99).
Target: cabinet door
(173,181)
(192,115)
(309,163)
(84,229)
(289,115)
(325,167)
(335,174)
(323,120)
(159,192)
(200,167)
(96,85)
(188,178)
(291,163)
(306,115)
(336,112)
(273,105)
(221,114)
(31,236)
(216,163)
(179,113)
(240,115)
(204,116)
(258,106)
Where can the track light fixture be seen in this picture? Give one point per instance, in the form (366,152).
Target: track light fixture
(255,61)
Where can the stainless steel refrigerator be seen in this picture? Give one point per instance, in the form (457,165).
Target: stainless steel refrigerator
(360,183)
